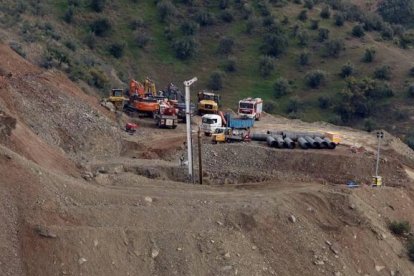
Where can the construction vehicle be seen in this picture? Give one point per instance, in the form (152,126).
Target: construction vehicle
(251,108)
(229,135)
(176,97)
(116,97)
(166,116)
(210,122)
(208,102)
(143,98)
(149,88)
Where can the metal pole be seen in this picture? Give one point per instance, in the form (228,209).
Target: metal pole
(200,165)
(187,85)
(378,156)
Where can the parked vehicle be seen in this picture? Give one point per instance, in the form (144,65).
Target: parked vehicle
(251,108)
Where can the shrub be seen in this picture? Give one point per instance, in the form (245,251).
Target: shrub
(229,65)
(204,18)
(339,19)
(387,32)
(412,72)
(184,47)
(97,5)
(314,24)
(274,44)
(325,12)
(90,40)
(266,66)
(251,25)
(410,248)
(409,140)
(369,125)
(166,9)
(280,88)
(68,16)
(334,47)
(224,4)
(411,91)
(17,47)
(304,58)
(116,50)
(189,27)
(226,45)
(303,16)
(358,31)
(101,27)
(137,23)
(309,4)
(215,81)
(142,39)
(315,78)
(303,37)
(347,70)
(369,55)
(269,107)
(293,105)
(70,45)
(383,73)
(397,11)
(226,16)
(323,34)
(324,102)
(98,79)
(399,228)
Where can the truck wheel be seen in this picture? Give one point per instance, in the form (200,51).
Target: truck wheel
(214,142)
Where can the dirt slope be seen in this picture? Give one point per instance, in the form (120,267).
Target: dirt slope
(72,205)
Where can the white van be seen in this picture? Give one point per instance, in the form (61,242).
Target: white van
(209,123)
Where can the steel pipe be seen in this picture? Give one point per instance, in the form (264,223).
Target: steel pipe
(331,145)
(303,143)
(289,143)
(280,141)
(271,141)
(259,136)
(322,143)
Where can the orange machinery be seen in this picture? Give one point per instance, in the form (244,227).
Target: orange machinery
(141,97)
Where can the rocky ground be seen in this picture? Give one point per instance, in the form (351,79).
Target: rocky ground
(78,196)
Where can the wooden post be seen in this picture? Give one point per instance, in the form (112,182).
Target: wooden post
(200,166)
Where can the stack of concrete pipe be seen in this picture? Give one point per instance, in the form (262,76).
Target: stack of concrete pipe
(305,140)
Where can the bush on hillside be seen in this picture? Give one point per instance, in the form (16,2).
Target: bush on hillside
(347,70)
(339,19)
(137,23)
(387,32)
(325,12)
(101,27)
(411,90)
(358,31)
(315,79)
(280,88)
(97,5)
(334,47)
(227,16)
(309,4)
(215,81)
(399,228)
(299,2)
(410,246)
(274,44)
(142,40)
(68,16)
(369,55)
(98,79)
(323,34)
(397,11)
(409,140)
(314,24)
(383,73)
(90,40)
(266,66)
(324,102)
(166,9)
(189,27)
(251,25)
(184,47)
(303,37)
(117,50)
(226,45)
(269,107)
(303,58)
(303,16)
(224,4)
(293,105)
(411,72)
(17,47)
(229,65)
(204,18)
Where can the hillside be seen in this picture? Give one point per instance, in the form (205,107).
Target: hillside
(79,196)
(248,47)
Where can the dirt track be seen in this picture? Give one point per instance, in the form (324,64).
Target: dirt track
(80,197)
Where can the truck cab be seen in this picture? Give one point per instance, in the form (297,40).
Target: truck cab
(250,108)
(208,102)
(210,122)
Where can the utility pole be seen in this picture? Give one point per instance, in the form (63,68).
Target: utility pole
(200,160)
(187,85)
(377,178)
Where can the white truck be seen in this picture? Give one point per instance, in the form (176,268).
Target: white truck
(210,122)
(251,108)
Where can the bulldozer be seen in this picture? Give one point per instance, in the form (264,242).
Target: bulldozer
(229,135)
(208,102)
(116,97)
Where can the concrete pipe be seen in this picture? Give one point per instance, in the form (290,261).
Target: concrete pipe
(322,142)
(331,145)
(259,136)
(312,142)
(289,143)
(279,140)
(274,132)
(271,141)
(303,143)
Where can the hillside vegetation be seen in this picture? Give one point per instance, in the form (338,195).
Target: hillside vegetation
(336,61)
